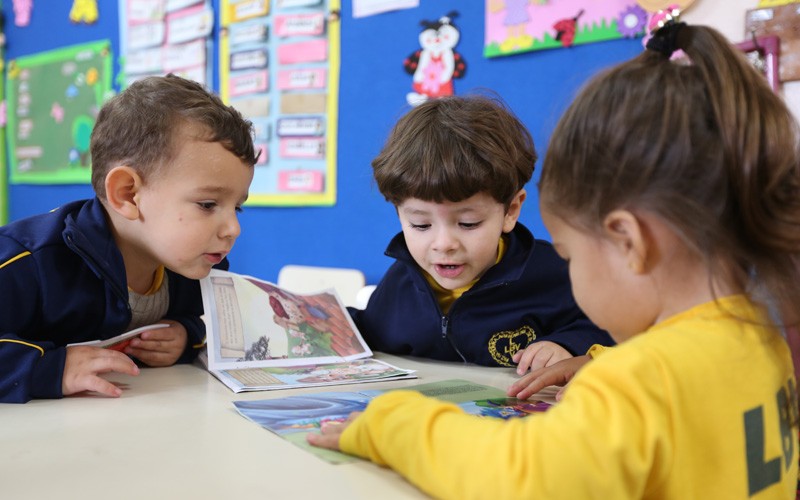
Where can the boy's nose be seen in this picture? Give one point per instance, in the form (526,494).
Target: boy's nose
(231,228)
(444,241)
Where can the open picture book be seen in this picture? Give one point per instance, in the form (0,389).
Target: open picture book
(262,337)
(295,416)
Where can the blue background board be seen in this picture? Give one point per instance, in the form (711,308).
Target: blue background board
(354,232)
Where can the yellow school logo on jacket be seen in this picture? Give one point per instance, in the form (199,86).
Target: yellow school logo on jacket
(503,345)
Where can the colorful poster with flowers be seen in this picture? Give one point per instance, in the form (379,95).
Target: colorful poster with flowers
(514,26)
(53,100)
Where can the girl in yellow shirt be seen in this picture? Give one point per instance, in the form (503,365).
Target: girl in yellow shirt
(671,186)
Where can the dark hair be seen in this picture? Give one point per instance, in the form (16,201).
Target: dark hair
(139,127)
(705,144)
(452,148)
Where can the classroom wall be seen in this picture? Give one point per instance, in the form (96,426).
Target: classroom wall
(354,232)
(728,17)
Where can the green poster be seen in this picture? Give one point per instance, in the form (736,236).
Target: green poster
(53,100)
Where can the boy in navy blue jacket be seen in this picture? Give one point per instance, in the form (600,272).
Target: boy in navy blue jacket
(469,283)
(171,167)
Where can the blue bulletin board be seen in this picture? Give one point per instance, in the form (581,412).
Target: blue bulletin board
(53,100)
(372,95)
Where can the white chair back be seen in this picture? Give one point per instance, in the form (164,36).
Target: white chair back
(309,279)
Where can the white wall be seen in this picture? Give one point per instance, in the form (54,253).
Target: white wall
(728,17)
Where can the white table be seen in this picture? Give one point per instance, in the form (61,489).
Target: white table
(175,434)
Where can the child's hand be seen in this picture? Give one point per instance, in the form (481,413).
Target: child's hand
(331,432)
(161,347)
(557,374)
(539,355)
(84,363)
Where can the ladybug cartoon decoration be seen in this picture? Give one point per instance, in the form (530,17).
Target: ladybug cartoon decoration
(565,29)
(436,63)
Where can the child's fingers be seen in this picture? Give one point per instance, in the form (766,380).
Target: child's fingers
(330,433)
(526,360)
(100,385)
(93,360)
(329,441)
(159,345)
(531,384)
(559,373)
(161,342)
(83,364)
(119,363)
(158,334)
(523,360)
(541,359)
(155,357)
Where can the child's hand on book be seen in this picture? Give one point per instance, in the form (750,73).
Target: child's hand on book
(539,355)
(331,433)
(558,374)
(84,364)
(160,347)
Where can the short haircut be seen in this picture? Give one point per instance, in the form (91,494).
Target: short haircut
(140,127)
(452,148)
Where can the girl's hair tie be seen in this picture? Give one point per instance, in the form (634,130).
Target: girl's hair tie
(665,40)
(664,26)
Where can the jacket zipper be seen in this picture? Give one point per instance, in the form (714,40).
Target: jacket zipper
(445,324)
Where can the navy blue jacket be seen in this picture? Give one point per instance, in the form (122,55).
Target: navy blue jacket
(524,298)
(62,280)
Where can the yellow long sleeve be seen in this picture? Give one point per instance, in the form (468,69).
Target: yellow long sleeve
(668,414)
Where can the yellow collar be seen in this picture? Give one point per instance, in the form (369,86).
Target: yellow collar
(158,279)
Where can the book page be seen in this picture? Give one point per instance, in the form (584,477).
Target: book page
(255,324)
(295,416)
(350,372)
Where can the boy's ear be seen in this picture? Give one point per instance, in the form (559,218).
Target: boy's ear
(629,236)
(514,209)
(122,186)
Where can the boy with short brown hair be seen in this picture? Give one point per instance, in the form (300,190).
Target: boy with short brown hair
(470,283)
(171,168)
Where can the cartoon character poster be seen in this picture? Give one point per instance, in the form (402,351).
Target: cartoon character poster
(514,26)
(436,63)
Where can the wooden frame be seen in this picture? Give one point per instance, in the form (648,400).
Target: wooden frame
(764,51)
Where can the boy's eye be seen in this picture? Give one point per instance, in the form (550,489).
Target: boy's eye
(207,205)
(420,227)
(469,225)
(239,209)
